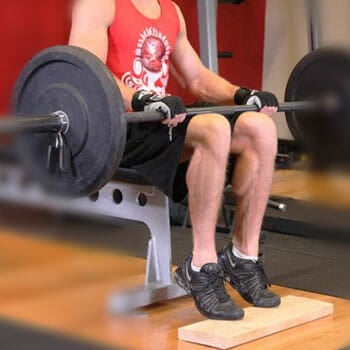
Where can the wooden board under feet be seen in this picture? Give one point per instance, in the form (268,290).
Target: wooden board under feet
(257,323)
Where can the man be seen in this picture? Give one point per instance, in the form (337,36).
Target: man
(138,39)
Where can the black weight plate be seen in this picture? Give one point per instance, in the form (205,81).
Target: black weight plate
(72,80)
(326,134)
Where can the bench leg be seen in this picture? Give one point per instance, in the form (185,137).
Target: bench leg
(159,284)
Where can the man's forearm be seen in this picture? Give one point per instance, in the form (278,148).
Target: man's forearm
(127,94)
(212,88)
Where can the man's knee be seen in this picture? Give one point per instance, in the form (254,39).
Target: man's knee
(212,131)
(260,129)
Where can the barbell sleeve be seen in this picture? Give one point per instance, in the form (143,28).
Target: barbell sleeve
(51,123)
(139,117)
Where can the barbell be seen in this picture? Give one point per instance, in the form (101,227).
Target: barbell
(72,125)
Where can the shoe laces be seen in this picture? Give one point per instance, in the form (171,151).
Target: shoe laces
(217,283)
(264,280)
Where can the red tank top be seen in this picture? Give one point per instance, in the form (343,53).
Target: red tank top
(140,47)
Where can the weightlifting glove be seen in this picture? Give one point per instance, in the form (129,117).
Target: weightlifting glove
(148,101)
(261,99)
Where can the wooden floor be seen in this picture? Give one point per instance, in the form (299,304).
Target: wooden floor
(64,288)
(329,189)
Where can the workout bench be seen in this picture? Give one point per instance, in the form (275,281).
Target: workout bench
(126,196)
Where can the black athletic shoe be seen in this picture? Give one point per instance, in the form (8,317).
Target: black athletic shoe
(208,290)
(248,278)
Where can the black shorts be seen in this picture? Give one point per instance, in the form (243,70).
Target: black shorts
(156,159)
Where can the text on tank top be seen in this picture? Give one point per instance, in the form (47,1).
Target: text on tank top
(140,47)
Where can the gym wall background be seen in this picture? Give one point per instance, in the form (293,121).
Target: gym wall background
(26,27)
(286,40)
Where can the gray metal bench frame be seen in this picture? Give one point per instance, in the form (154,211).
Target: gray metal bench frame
(159,285)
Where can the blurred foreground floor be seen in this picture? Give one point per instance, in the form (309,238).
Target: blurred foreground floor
(328,189)
(63,287)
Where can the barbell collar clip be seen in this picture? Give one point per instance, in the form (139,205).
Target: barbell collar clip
(64,122)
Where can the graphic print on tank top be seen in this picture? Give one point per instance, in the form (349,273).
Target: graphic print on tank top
(150,67)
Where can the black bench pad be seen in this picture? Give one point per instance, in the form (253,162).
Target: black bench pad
(130,176)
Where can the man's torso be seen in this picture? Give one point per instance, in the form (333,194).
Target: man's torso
(140,46)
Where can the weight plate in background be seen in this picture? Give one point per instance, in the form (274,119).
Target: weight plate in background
(72,80)
(324,134)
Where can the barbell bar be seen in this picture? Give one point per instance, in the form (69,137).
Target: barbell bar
(58,122)
(69,92)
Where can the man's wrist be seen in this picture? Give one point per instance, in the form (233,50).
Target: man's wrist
(241,95)
(140,99)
